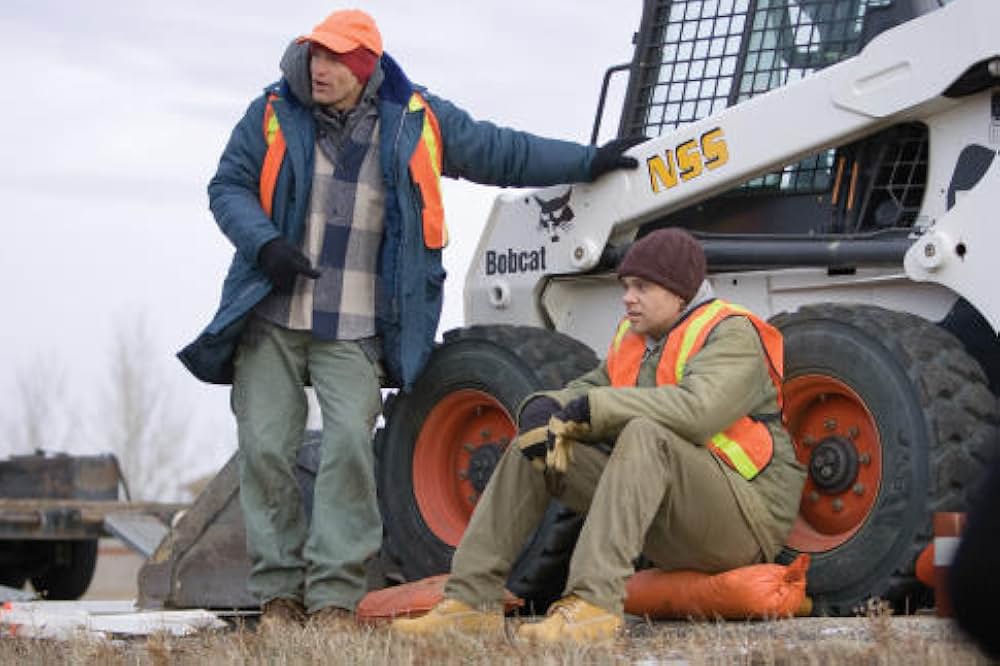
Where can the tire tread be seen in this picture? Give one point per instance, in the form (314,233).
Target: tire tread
(960,413)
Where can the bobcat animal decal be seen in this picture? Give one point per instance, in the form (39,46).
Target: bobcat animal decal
(555,215)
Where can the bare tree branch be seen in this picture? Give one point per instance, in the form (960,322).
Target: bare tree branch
(138,416)
(145,425)
(44,418)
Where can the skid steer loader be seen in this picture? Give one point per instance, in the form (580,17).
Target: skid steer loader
(837,160)
(842,179)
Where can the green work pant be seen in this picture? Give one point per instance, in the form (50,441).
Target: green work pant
(656,494)
(321,563)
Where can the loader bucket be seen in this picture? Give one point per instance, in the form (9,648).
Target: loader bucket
(202,561)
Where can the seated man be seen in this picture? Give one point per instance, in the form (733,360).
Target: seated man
(700,472)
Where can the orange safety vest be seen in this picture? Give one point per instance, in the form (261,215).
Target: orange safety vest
(746,445)
(275,155)
(425,168)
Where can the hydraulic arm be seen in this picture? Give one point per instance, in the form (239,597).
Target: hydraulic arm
(938,69)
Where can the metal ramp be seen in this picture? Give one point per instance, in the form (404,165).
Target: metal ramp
(202,561)
(139,531)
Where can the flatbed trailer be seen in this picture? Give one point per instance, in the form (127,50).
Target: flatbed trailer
(53,511)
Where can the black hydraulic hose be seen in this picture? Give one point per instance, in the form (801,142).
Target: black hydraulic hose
(754,251)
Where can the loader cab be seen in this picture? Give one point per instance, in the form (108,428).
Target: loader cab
(696,57)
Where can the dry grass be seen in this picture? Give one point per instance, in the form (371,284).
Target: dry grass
(872,640)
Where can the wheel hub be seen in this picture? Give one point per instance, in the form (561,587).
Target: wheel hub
(458,447)
(482,462)
(833,465)
(838,441)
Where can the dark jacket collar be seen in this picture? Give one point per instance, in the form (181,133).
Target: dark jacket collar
(396,88)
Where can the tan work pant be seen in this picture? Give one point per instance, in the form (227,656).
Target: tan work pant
(656,494)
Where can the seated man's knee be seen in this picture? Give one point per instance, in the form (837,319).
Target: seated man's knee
(639,427)
(639,432)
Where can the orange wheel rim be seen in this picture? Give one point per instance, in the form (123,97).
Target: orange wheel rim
(459,443)
(836,437)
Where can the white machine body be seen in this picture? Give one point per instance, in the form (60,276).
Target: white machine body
(537,262)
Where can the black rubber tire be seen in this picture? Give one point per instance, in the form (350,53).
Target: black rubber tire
(508,362)
(70,569)
(937,422)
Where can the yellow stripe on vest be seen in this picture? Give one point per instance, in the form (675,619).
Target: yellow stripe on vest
(272,129)
(425,168)
(620,334)
(430,139)
(275,155)
(428,136)
(691,336)
(736,455)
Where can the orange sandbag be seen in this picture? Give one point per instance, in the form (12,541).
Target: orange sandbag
(412,599)
(925,566)
(756,591)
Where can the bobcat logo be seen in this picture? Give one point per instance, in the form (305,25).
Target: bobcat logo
(555,215)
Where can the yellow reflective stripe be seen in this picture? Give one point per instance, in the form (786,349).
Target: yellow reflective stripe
(430,140)
(737,456)
(620,334)
(691,336)
(428,136)
(272,128)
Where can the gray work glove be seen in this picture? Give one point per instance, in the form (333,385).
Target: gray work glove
(533,429)
(569,424)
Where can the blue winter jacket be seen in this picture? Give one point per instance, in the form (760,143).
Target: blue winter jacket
(408,304)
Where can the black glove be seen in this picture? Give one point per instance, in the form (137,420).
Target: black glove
(281,263)
(533,428)
(576,411)
(536,412)
(611,156)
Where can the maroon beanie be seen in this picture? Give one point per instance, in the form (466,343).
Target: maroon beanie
(360,61)
(672,258)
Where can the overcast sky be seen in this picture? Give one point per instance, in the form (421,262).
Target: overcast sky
(116,114)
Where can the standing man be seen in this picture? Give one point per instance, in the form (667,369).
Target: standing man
(329,189)
(689,463)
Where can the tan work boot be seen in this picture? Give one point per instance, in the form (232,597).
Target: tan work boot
(572,619)
(279,614)
(451,615)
